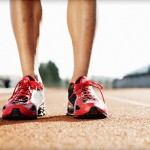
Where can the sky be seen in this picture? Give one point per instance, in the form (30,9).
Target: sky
(122,41)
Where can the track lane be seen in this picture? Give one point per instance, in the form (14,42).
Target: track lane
(127,126)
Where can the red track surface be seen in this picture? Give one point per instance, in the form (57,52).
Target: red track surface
(127,126)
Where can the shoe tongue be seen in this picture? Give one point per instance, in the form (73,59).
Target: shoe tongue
(81,79)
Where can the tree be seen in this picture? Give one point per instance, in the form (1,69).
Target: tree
(49,73)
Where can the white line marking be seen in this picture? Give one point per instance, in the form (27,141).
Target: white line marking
(126,101)
(6,90)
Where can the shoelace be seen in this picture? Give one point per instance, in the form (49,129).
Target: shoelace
(86,92)
(22,91)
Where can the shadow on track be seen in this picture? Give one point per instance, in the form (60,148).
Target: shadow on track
(60,118)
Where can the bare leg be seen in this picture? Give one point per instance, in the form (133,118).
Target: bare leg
(81,23)
(26,16)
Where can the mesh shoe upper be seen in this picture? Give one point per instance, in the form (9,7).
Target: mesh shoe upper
(82,97)
(28,96)
(26,91)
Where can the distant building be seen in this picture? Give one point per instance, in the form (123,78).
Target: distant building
(138,78)
(4,81)
(8,81)
(105,81)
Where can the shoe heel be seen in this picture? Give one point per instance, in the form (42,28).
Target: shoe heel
(70,111)
(41,110)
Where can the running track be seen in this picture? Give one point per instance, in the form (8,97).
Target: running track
(127,126)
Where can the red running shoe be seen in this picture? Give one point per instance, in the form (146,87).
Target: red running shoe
(83,103)
(26,102)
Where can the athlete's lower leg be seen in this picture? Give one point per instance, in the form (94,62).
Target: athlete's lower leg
(26,17)
(27,100)
(81,23)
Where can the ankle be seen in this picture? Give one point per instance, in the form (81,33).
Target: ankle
(36,76)
(75,78)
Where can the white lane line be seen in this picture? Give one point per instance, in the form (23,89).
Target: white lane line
(126,101)
(5,90)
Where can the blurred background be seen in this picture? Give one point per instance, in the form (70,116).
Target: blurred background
(120,56)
